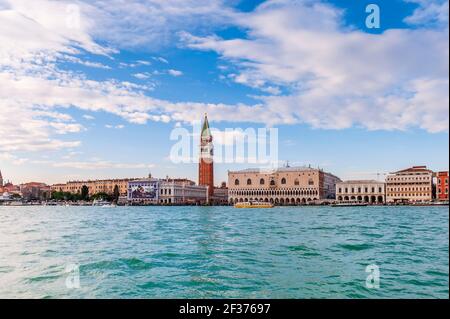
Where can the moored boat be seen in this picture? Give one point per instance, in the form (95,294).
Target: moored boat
(350,205)
(101,203)
(253,205)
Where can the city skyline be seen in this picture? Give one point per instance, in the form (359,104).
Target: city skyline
(98,98)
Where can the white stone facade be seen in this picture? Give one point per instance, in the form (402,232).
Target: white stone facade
(284,186)
(177,193)
(361,191)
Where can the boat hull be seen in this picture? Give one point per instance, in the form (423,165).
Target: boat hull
(250,205)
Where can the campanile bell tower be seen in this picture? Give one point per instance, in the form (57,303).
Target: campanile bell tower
(206,164)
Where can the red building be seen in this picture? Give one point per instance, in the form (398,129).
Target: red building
(206,164)
(35,191)
(442,185)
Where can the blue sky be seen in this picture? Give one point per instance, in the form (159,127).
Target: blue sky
(94,91)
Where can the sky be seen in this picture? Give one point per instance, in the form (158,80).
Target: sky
(94,89)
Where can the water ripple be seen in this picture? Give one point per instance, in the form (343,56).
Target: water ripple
(219,252)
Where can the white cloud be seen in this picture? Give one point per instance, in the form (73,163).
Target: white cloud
(152,24)
(95,165)
(429,12)
(90,64)
(141,62)
(161,59)
(135,64)
(141,76)
(337,77)
(175,73)
(4,156)
(88,117)
(118,127)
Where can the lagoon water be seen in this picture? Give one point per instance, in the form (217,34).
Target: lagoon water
(222,252)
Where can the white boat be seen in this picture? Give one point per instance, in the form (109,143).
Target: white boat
(100,202)
(109,205)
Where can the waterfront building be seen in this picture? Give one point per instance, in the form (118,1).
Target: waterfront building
(220,195)
(413,184)
(206,164)
(95,186)
(166,191)
(182,192)
(289,185)
(11,189)
(35,191)
(143,191)
(1,179)
(363,191)
(442,186)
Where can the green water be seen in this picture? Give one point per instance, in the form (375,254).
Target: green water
(222,252)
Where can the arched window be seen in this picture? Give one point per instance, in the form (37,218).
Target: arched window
(283,181)
(249,181)
(311,181)
(236,182)
(296,182)
(272,183)
(261,181)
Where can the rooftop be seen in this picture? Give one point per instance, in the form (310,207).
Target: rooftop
(277,170)
(362,181)
(414,169)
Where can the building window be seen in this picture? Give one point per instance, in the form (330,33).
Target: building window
(261,181)
(283,181)
(236,182)
(249,181)
(310,182)
(272,183)
(296,182)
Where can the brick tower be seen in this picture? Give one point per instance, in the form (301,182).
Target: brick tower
(206,165)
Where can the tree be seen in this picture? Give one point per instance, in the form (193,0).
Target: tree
(116,193)
(84,192)
(102,196)
(58,195)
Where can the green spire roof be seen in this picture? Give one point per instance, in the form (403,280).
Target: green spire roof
(206,132)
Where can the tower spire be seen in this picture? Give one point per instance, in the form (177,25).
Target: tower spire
(206,132)
(206,165)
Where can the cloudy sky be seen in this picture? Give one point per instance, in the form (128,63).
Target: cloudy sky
(93,89)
